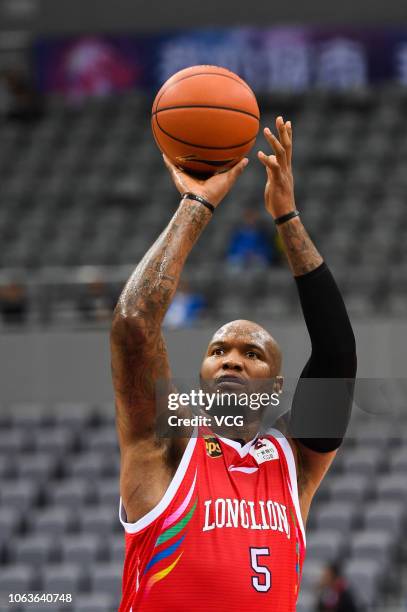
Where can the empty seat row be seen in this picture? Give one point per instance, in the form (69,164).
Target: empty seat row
(83,549)
(102,577)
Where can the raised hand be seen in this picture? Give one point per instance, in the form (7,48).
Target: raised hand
(213,189)
(279,191)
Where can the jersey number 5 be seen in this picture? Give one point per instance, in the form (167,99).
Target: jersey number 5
(262,584)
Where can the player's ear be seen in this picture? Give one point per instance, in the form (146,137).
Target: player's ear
(278,384)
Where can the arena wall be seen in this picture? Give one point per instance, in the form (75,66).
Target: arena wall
(75,365)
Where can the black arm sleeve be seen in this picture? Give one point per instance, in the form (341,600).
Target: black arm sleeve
(321,408)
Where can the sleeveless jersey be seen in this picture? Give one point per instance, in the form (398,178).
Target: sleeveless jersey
(227,535)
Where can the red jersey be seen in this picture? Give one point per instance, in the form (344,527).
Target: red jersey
(227,535)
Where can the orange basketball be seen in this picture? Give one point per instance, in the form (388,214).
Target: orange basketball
(205,119)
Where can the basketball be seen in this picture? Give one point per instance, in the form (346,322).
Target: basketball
(205,119)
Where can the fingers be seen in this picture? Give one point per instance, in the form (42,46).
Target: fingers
(290,131)
(270,163)
(237,170)
(277,147)
(171,167)
(281,146)
(177,174)
(285,135)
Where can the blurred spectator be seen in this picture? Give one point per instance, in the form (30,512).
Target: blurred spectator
(20,101)
(13,304)
(251,244)
(96,302)
(335,595)
(185,309)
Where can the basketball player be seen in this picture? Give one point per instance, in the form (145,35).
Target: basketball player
(214,523)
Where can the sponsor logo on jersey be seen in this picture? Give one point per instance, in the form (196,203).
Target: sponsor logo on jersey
(264,450)
(213,448)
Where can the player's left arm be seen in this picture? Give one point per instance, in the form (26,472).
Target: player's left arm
(321,408)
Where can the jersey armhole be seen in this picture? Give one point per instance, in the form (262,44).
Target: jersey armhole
(154,513)
(292,471)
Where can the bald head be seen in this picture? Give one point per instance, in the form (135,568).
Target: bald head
(251,334)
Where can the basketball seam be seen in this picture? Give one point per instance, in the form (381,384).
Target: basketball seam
(228,108)
(195,161)
(240,81)
(191,144)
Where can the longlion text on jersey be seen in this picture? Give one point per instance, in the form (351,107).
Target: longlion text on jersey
(268,514)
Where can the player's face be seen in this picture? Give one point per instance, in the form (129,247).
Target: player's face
(239,352)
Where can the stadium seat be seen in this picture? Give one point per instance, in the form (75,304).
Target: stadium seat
(17,579)
(107,492)
(398,461)
(53,439)
(385,516)
(98,519)
(56,520)
(72,492)
(115,547)
(33,549)
(374,434)
(38,466)
(63,578)
(21,494)
(335,515)
(28,414)
(365,577)
(10,521)
(13,441)
(361,461)
(372,544)
(6,467)
(106,578)
(84,548)
(392,487)
(348,487)
(88,465)
(95,602)
(325,545)
(103,439)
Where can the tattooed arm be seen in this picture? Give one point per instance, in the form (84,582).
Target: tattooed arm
(139,355)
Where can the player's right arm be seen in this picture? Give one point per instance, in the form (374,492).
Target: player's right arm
(138,352)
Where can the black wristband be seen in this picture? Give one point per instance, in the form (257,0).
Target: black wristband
(200,199)
(287,217)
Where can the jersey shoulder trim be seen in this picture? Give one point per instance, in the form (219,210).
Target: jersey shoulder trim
(169,495)
(292,470)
